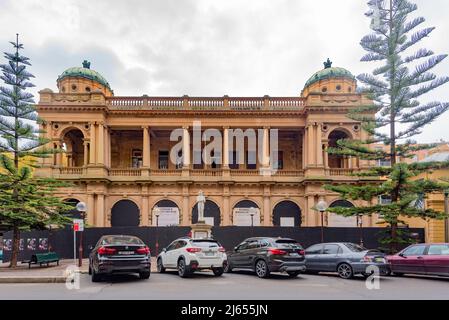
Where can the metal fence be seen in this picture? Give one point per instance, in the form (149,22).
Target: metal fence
(61,241)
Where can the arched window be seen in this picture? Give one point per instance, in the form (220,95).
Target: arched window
(168,214)
(246,213)
(125,213)
(335,220)
(74,148)
(287,214)
(336,161)
(211,213)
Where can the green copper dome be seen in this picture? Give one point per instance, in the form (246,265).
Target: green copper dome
(85,72)
(329,72)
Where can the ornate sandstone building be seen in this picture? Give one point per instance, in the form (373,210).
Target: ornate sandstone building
(116,152)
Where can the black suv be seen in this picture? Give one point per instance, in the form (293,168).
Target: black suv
(266,255)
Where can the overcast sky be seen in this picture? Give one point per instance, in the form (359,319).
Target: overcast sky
(205,47)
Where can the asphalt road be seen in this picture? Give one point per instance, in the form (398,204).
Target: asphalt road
(233,286)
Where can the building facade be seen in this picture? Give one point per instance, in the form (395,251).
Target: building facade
(116,152)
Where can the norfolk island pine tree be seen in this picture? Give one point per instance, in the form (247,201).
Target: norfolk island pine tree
(26,202)
(395,87)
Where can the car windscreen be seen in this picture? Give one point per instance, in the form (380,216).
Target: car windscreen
(355,247)
(120,240)
(205,243)
(288,244)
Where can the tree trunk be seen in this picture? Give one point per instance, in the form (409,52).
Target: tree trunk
(15,247)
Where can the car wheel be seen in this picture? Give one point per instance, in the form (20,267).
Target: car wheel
(95,276)
(144,275)
(262,269)
(345,271)
(160,266)
(182,269)
(217,271)
(228,268)
(293,274)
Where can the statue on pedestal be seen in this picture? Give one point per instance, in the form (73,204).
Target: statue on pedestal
(201,200)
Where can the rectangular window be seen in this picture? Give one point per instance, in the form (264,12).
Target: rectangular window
(163,160)
(216,160)
(251,160)
(233,160)
(136,158)
(280,161)
(198,162)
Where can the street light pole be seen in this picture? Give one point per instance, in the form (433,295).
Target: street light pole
(251,213)
(157,213)
(322,207)
(446,221)
(82,208)
(360,224)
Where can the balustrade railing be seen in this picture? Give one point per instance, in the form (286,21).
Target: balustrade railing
(205,103)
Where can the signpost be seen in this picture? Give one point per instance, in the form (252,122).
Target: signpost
(78,225)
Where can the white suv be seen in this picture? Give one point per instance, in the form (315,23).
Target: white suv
(189,255)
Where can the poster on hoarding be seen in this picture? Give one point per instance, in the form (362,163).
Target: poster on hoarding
(242,217)
(7,244)
(43,244)
(168,216)
(31,244)
(22,244)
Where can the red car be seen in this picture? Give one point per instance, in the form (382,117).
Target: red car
(424,258)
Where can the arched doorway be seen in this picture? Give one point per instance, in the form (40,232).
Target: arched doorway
(334,160)
(168,213)
(336,220)
(246,213)
(287,214)
(211,213)
(73,144)
(125,213)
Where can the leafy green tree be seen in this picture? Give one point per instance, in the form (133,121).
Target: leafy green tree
(396,115)
(25,201)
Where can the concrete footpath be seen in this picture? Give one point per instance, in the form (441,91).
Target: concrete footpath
(51,274)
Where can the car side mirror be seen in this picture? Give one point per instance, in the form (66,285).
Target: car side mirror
(164,249)
(402,255)
(90,247)
(236,249)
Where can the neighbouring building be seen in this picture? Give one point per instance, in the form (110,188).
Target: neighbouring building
(117,152)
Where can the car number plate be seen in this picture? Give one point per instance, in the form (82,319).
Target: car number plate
(294,254)
(381,260)
(209,253)
(126,252)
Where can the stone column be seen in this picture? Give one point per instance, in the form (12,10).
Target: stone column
(100,145)
(186,147)
(310,157)
(266,147)
(225,147)
(107,147)
(47,127)
(86,153)
(90,209)
(267,208)
(146,147)
(59,154)
(185,211)
(326,156)
(319,146)
(226,211)
(100,216)
(145,208)
(305,150)
(311,214)
(93,144)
